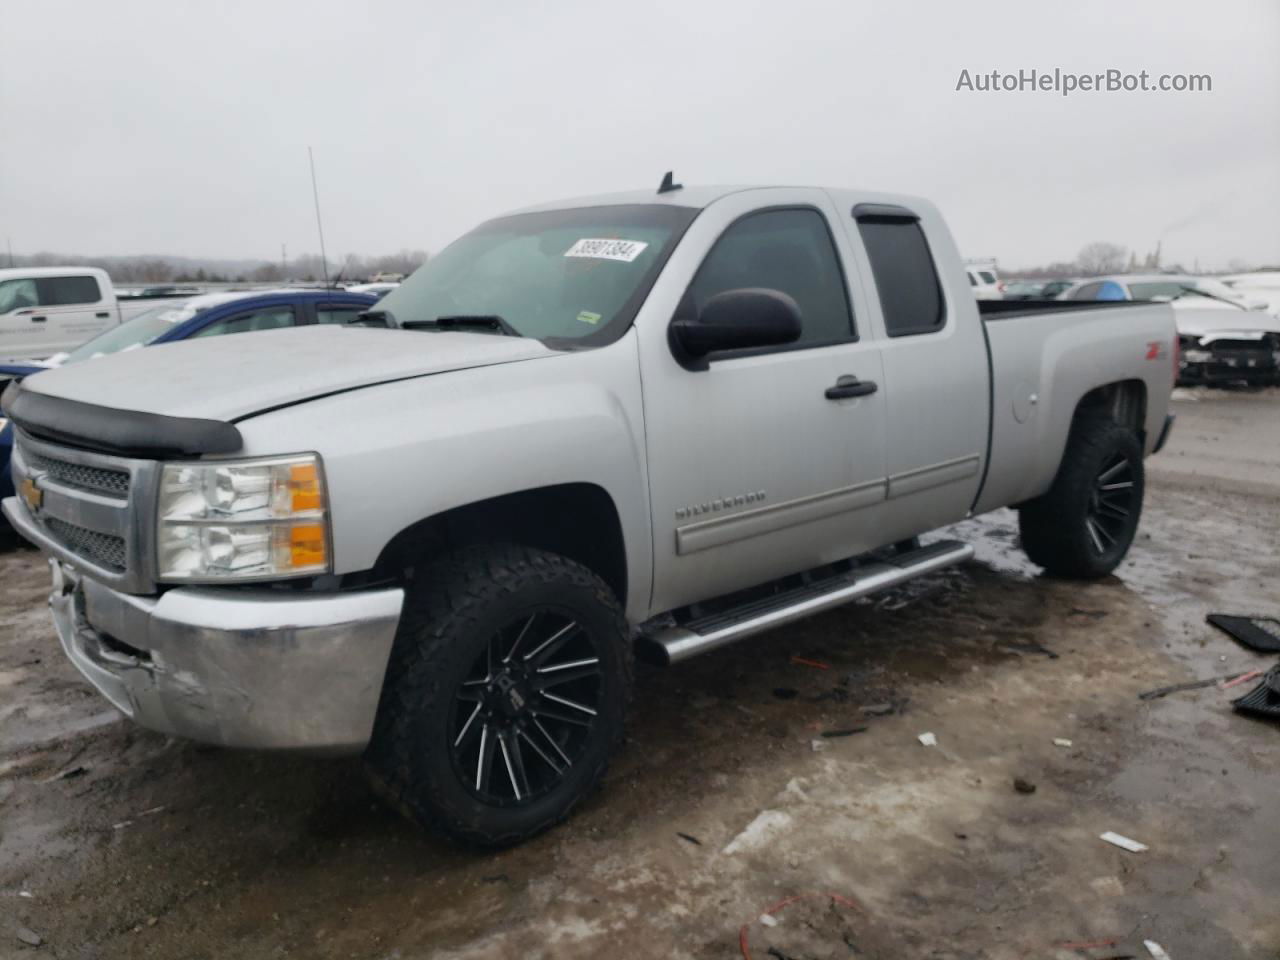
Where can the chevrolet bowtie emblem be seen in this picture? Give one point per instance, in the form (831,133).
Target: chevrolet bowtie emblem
(32,494)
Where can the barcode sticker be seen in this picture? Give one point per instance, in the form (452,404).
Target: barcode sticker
(598,249)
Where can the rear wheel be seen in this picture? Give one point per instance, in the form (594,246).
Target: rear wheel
(505,695)
(1083,526)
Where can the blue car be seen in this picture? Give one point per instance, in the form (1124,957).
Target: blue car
(209,315)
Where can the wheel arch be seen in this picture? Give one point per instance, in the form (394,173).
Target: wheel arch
(576,520)
(1123,401)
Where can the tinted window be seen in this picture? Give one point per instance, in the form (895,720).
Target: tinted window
(786,250)
(335,314)
(60,291)
(1166,288)
(1111,291)
(987,277)
(1088,292)
(972,280)
(17,295)
(268,318)
(910,294)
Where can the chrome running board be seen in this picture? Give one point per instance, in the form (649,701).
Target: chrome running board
(672,644)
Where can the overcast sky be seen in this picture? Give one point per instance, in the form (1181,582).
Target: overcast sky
(182,128)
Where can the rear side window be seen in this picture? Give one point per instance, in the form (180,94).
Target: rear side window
(788,250)
(338,314)
(906,279)
(987,277)
(63,291)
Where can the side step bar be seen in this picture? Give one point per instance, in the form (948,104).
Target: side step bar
(673,644)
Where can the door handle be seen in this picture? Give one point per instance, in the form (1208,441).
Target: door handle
(102,316)
(850,386)
(39,319)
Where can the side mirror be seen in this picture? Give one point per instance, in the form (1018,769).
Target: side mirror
(737,320)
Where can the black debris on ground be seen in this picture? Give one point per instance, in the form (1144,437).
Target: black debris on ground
(1264,699)
(1257,633)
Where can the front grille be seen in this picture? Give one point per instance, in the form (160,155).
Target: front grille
(101,548)
(97,479)
(1240,346)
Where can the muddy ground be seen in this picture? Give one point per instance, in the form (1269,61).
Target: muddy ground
(116,842)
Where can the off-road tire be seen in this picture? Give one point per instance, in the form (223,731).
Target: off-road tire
(1055,527)
(452,608)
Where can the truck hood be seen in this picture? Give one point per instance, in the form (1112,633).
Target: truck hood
(1218,322)
(232,377)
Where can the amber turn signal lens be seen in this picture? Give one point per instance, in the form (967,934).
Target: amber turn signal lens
(304,487)
(307,547)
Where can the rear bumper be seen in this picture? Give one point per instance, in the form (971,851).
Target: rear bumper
(255,669)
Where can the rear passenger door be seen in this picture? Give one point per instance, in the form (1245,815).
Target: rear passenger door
(936,377)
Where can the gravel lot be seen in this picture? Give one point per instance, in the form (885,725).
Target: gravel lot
(116,842)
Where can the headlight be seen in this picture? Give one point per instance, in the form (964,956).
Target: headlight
(226,520)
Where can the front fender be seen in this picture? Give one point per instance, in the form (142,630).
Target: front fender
(399,453)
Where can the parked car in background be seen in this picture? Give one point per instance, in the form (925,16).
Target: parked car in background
(1223,339)
(209,315)
(682,418)
(1173,287)
(1035,289)
(378,290)
(985,282)
(1261,285)
(44,310)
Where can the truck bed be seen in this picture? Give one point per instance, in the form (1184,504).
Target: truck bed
(1012,309)
(1040,367)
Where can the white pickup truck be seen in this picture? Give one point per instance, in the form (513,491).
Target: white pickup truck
(645,421)
(48,310)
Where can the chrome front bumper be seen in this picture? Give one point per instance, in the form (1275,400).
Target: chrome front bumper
(258,669)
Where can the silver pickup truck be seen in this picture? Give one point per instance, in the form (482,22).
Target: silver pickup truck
(649,423)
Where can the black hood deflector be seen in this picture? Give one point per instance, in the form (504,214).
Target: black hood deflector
(123,433)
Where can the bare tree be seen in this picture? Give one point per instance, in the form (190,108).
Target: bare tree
(1101,257)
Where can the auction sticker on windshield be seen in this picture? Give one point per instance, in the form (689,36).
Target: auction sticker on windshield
(596,249)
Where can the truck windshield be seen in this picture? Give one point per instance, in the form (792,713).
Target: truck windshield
(570,277)
(137,332)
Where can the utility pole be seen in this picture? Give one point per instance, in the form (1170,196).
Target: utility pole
(9,242)
(284,275)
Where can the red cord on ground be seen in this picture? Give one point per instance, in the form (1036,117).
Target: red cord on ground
(805,662)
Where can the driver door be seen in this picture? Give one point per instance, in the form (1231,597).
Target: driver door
(755,471)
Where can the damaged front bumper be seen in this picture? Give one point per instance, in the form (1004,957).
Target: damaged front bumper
(253,668)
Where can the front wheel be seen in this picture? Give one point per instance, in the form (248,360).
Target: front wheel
(1083,526)
(505,694)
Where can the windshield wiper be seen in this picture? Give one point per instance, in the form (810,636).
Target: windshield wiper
(1211,296)
(488,321)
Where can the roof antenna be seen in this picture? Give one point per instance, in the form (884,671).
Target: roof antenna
(668,184)
(315,193)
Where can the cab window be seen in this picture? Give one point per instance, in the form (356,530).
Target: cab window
(788,250)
